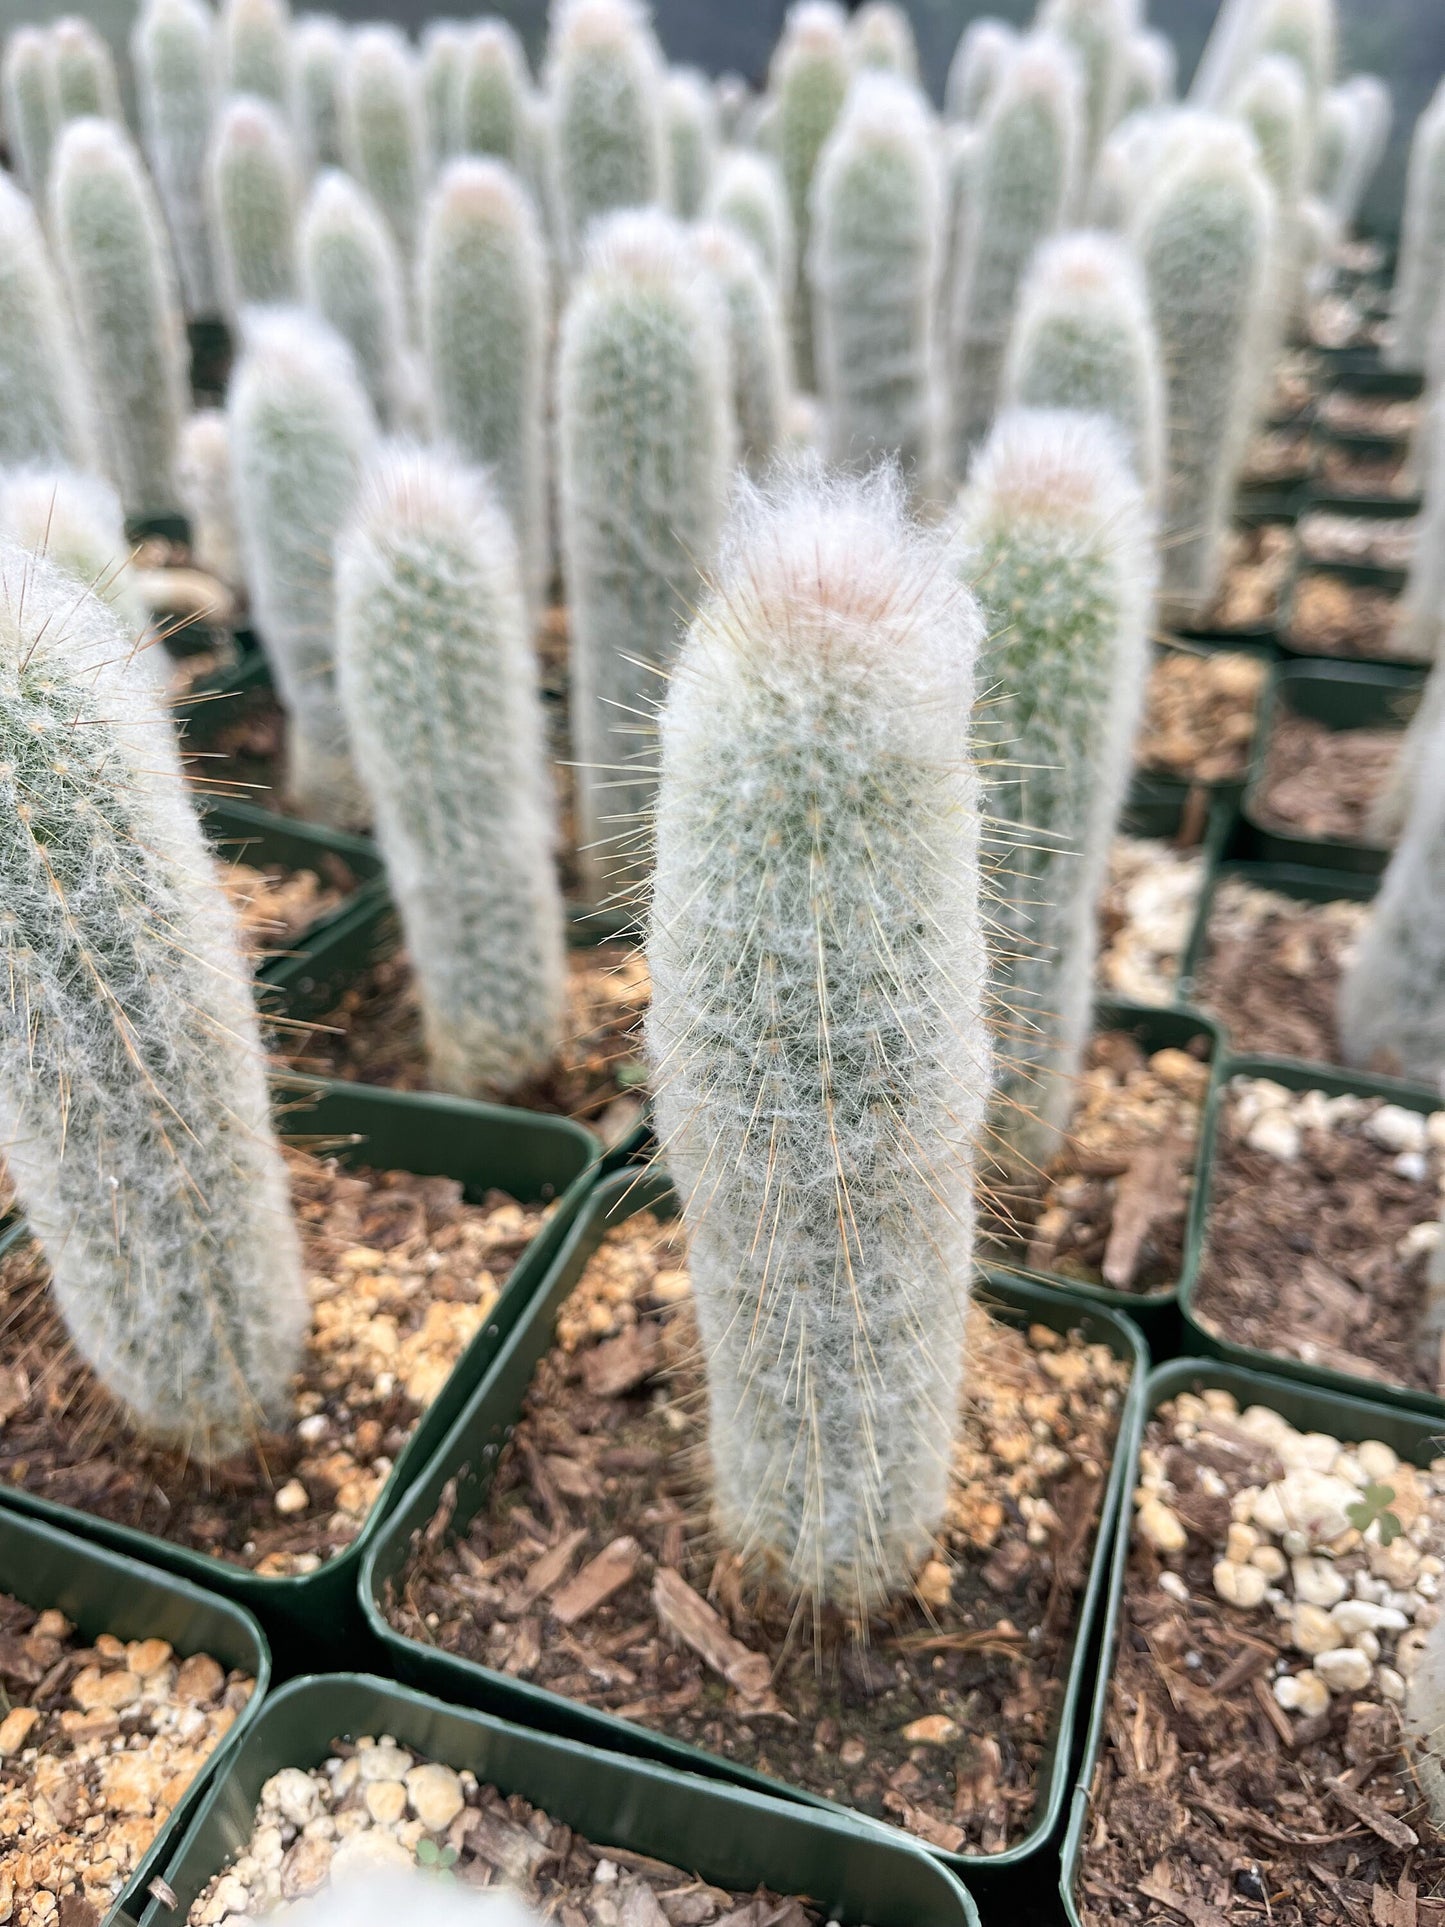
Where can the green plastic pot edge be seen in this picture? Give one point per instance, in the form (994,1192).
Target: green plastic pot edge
(101,1591)
(470,1452)
(1411,1433)
(486,1146)
(1290,880)
(727,1835)
(1394,383)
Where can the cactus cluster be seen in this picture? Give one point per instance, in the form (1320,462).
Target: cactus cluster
(319,69)
(203,478)
(1420,274)
(757,342)
(747,194)
(28,108)
(382,133)
(984,49)
(74,520)
(492,93)
(83,73)
(1098,31)
(255,50)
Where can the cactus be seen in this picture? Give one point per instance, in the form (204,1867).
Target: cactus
(1306,32)
(808,82)
(484,315)
(492,93)
(1354,131)
(1124,165)
(607,145)
(1053,530)
(644,441)
(1084,340)
(1424,1710)
(75,521)
(757,341)
(112,248)
(984,50)
(690,121)
(1098,31)
(351,276)
(46,413)
(877,228)
(438,684)
(1023,178)
(747,194)
(443,52)
(382,135)
(380,1896)
(84,73)
(173,55)
(882,36)
(734,99)
(30,113)
(820,1057)
(1273,104)
(1420,272)
(131,1072)
(1204,232)
(319,60)
(255,44)
(203,476)
(301,430)
(253,190)
(1151,73)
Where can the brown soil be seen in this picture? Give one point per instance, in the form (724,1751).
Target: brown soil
(238,752)
(403,1275)
(1386,542)
(1199,715)
(1335,618)
(1323,782)
(277,905)
(1345,471)
(1272,967)
(184,672)
(1257,570)
(1145,915)
(1350,413)
(592,1572)
(1302,1257)
(1296,381)
(97,1744)
(1343,321)
(1279,455)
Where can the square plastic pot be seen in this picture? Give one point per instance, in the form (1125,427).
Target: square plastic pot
(1412,1435)
(1249,516)
(857,1873)
(1355,575)
(314,1616)
(101,1592)
(469,1456)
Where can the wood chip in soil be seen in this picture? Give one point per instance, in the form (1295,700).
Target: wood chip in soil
(1272,966)
(1345,471)
(591,1570)
(403,1274)
(1386,542)
(1324,782)
(1199,715)
(1322,1214)
(1337,618)
(1145,915)
(1256,571)
(97,1744)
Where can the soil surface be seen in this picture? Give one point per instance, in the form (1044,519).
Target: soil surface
(1257,571)
(1322,1214)
(1295,384)
(277,905)
(1347,412)
(1335,618)
(97,1745)
(403,1274)
(238,750)
(1271,969)
(1277,455)
(1346,471)
(1253,1769)
(591,1570)
(1199,715)
(1321,781)
(1145,916)
(1387,542)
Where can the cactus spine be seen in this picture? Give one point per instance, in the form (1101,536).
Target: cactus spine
(84,69)
(319,60)
(45,407)
(747,194)
(255,37)
(690,120)
(607,145)
(381,128)
(1098,32)
(443,50)
(438,681)
(820,1057)
(1053,529)
(131,1073)
(254,189)
(492,93)
(984,50)
(203,475)
(301,430)
(1023,177)
(112,248)
(877,228)
(808,83)
(75,521)
(757,341)
(173,54)
(644,438)
(351,276)
(1420,274)
(27,96)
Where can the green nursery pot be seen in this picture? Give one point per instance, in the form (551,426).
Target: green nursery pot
(101,1592)
(469,1455)
(1355,575)
(1413,1435)
(210,341)
(314,1615)
(732,1837)
(248,834)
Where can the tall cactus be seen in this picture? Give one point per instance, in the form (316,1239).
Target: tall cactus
(203,475)
(1151,73)
(443,51)
(1098,31)
(46,412)
(877,235)
(382,135)
(747,193)
(253,189)
(984,50)
(116,260)
(132,1081)
(75,522)
(438,681)
(1053,531)
(351,276)
(86,83)
(817,1030)
(28,106)
(1024,177)
(492,92)
(644,440)
(808,82)
(301,430)
(255,49)
(1307,32)
(882,36)
(607,145)
(1420,272)
(1274,104)
(319,67)
(1355,129)
(482,289)
(757,341)
(691,124)
(1424,1712)
(173,53)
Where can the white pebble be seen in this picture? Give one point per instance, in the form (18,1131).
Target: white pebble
(292,1497)
(1171,1583)
(1271,1562)
(1397,1129)
(1345,1670)
(1276,1135)
(1313,1631)
(1304,1693)
(1368,1644)
(1241,1542)
(1317,1582)
(1239,1585)
(291,1793)
(1161,1527)
(1415,1166)
(1391,1686)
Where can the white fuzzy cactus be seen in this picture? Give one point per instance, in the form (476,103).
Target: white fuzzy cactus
(46,413)
(75,522)
(173,53)
(352,277)
(757,341)
(379,1897)
(984,49)
(253,190)
(492,93)
(86,84)
(807,82)
(203,476)
(1305,31)
(817,1037)
(1424,1712)
(131,1074)
(1023,178)
(484,315)
(1151,73)
(1420,272)
(1053,531)
(443,50)
(689,115)
(113,251)
(644,435)
(748,194)
(438,682)
(1362,112)
(1098,31)
(28,106)
(1272,101)
(301,431)
(382,131)
(318,76)
(606,140)
(882,36)
(255,50)
(876,255)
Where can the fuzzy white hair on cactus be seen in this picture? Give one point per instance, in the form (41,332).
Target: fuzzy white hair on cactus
(254,189)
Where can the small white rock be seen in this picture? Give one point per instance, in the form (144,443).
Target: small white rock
(1313,1631)
(1271,1562)
(1241,1542)
(292,1497)
(1171,1583)
(1415,1166)
(1397,1129)
(1276,1135)
(1346,1670)
(1318,1583)
(1368,1644)
(1303,1693)
(384,1761)
(293,1794)
(369,1852)
(1391,1686)
(436,1795)
(1161,1527)
(1239,1585)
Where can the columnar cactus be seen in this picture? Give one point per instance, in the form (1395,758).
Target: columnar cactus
(984,49)
(28,105)
(382,133)
(301,430)
(1272,102)
(1424,1712)
(808,82)
(1024,176)
(1420,272)
(747,193)
(254,190)
(1151,69)
(1354,131)
(1084,340)
(443,50)
(607,144)
(757,341)
(132,1080)
(84,69)
(1054,533)
(173,54)
(1204,232)
(112,247)
(645,451)
(75,522)
(492,93)
(817,1033)
(46,413)
(484,316)
(255,43)
(203,475)
(1098,31)
(877,236)
(438,681)
(882,36)
(1306,32)
(690,120)
(319,67)
(351,276)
